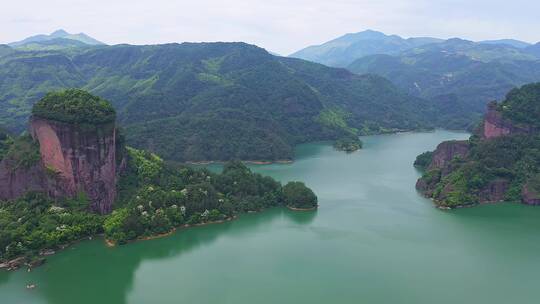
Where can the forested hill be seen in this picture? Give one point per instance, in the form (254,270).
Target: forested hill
(459,76)
(500,162)
(211,101)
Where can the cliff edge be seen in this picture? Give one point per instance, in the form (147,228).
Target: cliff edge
(75,135)
(500,163)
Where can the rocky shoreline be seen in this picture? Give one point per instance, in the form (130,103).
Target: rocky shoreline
(40,259)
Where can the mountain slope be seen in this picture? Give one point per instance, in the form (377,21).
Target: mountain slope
(213,101)
(344,50)
(534,50)
(59,34)
(511,42)
(458,76)
(501,162)
(5,50)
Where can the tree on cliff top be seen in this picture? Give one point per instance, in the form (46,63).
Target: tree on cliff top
(523,105)
(74,106)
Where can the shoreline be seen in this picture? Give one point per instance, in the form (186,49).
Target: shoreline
(40,259)
(18,262)
(251,162)
(443,207)
(110,243)
(302,209)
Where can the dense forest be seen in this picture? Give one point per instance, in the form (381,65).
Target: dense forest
(348,144)
(154,198)
(460,77)
(74,106)
(496,168)
(212,101)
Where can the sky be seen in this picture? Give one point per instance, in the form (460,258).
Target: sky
(278,25)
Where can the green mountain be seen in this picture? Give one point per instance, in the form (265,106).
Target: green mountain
(500,162)
(534,50)
(53,44)
(511,42)
(344,50)
(59,36)
(5,50)
(212,101)
(458,76)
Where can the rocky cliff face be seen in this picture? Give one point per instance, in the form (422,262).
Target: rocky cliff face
(447,151)
(441,166)
(495,125)
(82,158)
(15,181)
(529,196)
(494,191)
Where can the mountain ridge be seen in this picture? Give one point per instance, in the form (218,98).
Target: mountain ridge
(81,37)
(213,101)
(344,50)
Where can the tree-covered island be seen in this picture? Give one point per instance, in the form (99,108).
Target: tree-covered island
(153,197)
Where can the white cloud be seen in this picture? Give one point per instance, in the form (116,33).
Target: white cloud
(278,25)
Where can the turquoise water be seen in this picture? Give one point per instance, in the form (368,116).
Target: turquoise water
(374,239)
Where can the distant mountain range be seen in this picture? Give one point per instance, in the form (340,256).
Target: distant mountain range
(458,76)
(511,42)
(343,51)
(56,40)
(212,101)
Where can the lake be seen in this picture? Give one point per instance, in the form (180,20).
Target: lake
(374,239)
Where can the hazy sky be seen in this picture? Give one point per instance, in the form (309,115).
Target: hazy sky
(281,26)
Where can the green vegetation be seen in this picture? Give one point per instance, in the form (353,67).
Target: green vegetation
(348,144)
(74,106)
(460,77)
(211,101)
(522,106)
(297,195)
(533,185)
(510,159)
(504,164)
(21,152)
(5,143)
(423,160)
(34,222)
(337,119)
(154,198)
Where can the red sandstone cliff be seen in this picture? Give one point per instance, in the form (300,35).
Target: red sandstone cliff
(82,157)
(530,197)
(441,162)
(447,151)
(15,181)
(495,125)
(73,159)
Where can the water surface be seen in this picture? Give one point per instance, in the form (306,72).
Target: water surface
(373,240)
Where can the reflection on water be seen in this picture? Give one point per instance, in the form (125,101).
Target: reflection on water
(89,272)
(374,239)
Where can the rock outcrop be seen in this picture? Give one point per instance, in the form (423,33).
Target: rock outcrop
(495,125)
(447,151)
(494,191)
(71,151)
(529,196)
(441,165)
(16,181)
(82,157)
